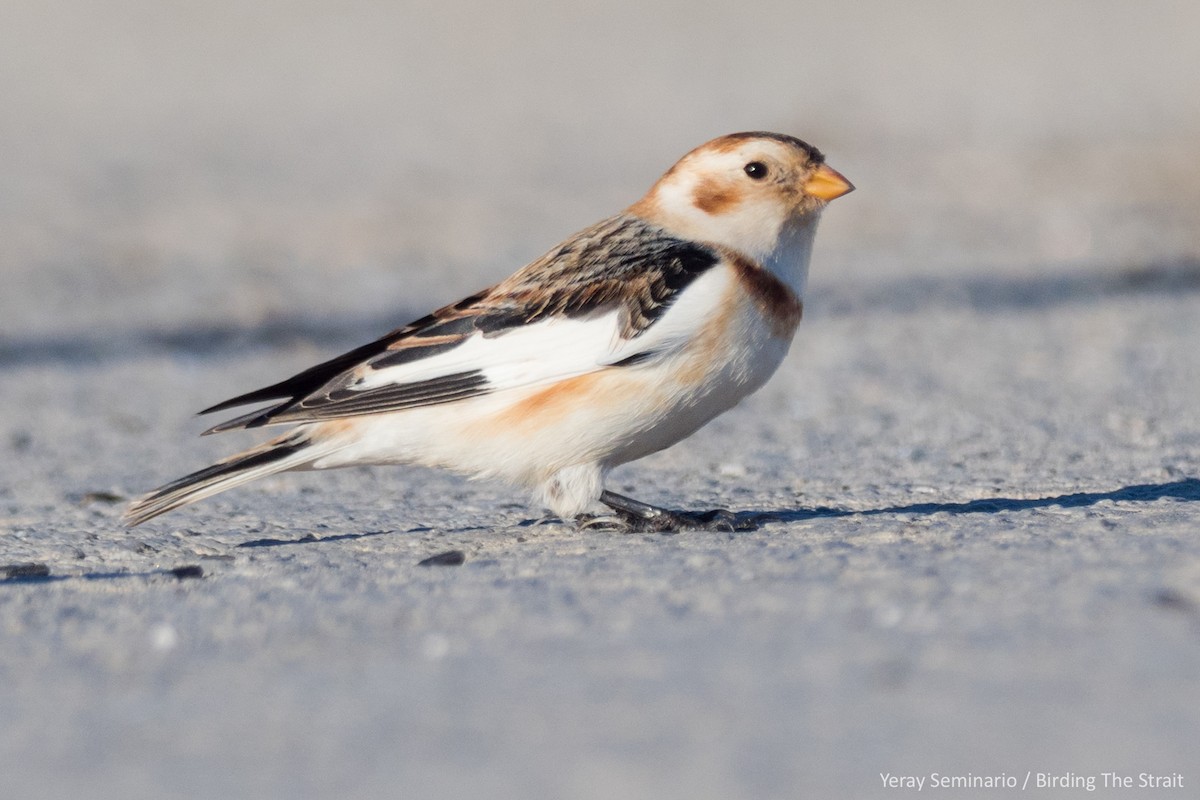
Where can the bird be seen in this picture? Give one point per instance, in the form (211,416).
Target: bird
(620,341)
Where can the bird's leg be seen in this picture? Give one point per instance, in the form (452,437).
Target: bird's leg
(644,518)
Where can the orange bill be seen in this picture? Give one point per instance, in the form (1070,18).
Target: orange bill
(827,184)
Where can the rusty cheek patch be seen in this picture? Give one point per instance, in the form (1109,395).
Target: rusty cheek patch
(771,297)
(712,196)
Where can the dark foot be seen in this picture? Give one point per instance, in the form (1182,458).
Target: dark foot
(635,516)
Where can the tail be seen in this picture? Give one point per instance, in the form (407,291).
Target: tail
(290,451)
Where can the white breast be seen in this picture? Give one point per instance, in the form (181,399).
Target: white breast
(731,355)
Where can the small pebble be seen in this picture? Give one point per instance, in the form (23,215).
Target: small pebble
(190,571)
(450,558)
(26,570)
(100,497)
(1174,599)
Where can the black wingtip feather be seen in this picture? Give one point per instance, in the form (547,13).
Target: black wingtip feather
(200,484)
(309,380)
(274,392)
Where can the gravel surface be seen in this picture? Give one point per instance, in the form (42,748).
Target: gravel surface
(977,471)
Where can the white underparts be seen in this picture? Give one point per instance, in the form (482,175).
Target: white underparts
(572,490)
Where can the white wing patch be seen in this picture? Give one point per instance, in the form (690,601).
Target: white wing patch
(561,347)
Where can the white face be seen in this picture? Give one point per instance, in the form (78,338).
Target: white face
(747,192)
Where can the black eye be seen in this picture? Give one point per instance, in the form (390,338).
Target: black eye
(756,170)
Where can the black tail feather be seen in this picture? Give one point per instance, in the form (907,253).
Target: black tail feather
(274,456)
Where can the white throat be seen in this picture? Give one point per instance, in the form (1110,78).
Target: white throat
(789,259)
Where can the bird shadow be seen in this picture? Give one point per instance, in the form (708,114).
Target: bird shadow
(312,538)
(1184,490)
(1187,489)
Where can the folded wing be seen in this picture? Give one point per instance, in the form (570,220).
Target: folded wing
(592,302)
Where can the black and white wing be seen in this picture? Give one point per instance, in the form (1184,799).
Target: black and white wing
(597,300)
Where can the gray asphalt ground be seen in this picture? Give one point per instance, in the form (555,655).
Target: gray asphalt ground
(982,456)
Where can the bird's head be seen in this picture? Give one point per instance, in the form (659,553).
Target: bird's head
(747,191)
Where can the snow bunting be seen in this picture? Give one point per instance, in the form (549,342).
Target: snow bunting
(619,342)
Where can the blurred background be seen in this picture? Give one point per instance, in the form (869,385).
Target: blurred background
(181,167)
(991,560)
